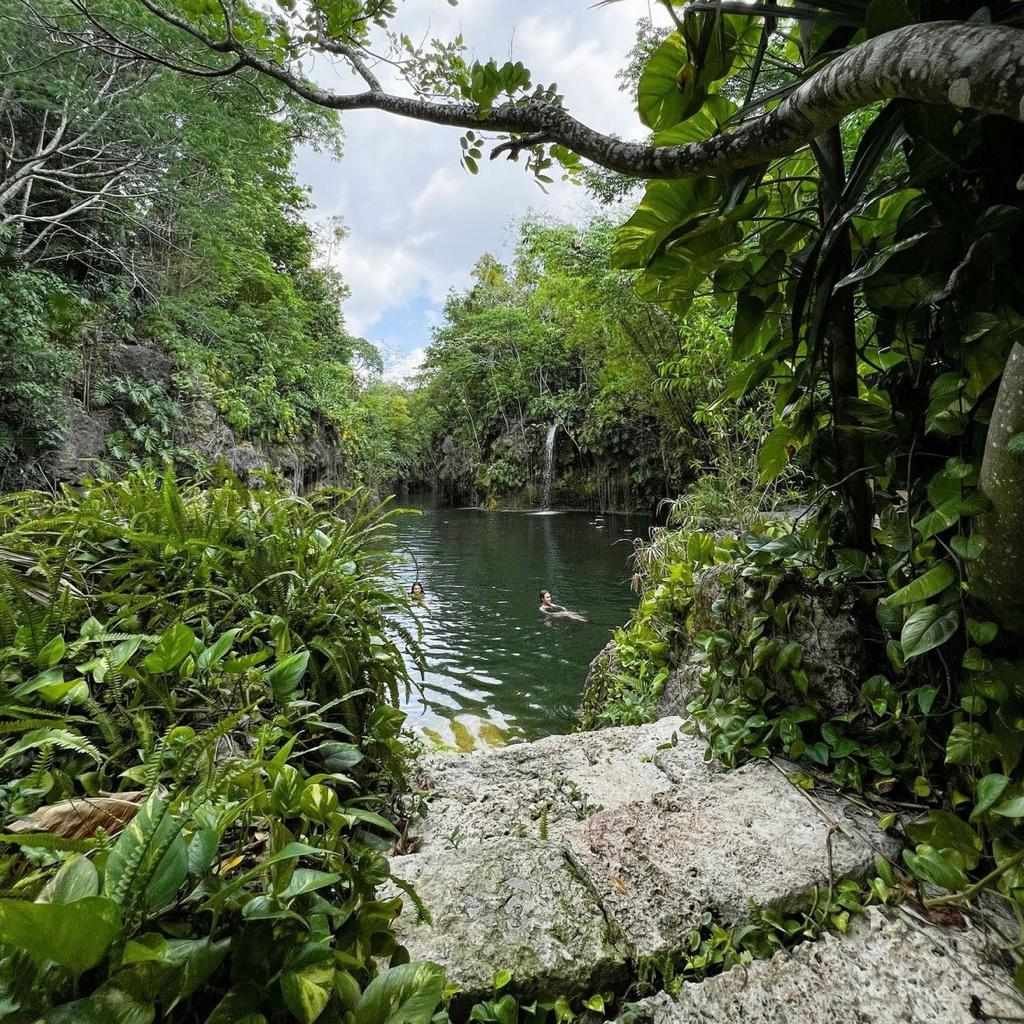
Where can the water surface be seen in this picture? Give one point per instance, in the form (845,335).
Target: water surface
(498,669)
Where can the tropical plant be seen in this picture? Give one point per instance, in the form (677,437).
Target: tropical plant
(202,756)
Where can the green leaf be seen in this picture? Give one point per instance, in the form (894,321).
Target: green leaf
(982,633)
(60,738)
(108,1005)
(149,853)
(968,548)
(933,582)
(51,654)
(77,879)
(713,115)
(666,206)
(938,867)
(1012,808)
(773,457)
(76,935)
(287,673)
(968,743)
(665,94)
(944,830)
(307,992)
(305,880)
(407,994)
(501,979)
(927,629)
(1015,446)
(213,654)
(171,649)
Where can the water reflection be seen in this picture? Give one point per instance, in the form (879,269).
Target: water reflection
(497,668)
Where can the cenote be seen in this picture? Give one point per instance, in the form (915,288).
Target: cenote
(497,669)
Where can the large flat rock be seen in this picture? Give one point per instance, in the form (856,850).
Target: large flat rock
(742,838)
(890,969)
(512,904)
(544,788)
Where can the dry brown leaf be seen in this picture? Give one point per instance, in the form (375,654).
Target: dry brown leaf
(82,817)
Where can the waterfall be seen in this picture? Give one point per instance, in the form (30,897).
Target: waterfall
(549,464)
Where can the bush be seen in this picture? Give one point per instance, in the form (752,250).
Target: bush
(202,756)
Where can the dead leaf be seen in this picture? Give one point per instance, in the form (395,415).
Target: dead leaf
(82,817)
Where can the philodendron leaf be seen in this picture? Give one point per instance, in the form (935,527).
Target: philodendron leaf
(989,789)
(933,582)
(108,1005)
(306,992)
(407,994)
(927,629)
(286,674)
(75,935)
(172,648)
(77,879)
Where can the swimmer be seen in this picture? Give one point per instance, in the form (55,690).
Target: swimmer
(417,593)
(556,611)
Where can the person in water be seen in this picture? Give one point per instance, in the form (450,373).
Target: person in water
(417,593)
(556,611)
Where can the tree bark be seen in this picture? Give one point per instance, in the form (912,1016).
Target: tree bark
(841,348)
(997,576)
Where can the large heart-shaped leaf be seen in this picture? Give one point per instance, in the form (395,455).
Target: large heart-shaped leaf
(927,629)
(76,935)
(407,994)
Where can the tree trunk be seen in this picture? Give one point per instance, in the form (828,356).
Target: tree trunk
(997,576)
(841,346)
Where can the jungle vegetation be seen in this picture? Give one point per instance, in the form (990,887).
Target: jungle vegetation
(835,184)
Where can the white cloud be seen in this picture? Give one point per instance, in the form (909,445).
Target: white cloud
(417,221)
(405,367)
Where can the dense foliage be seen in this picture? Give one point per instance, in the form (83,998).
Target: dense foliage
(560,338)
(862,265)
(201,753)
(874,285)
(143,210)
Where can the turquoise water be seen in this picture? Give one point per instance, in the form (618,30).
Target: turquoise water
(497,668)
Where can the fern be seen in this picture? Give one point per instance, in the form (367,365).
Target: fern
(423,915)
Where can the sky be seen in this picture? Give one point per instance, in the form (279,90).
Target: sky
(417,221)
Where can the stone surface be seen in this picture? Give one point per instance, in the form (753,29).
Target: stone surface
(85,441)
(598,684)
(512,904)
(555,782)
(890,969)
(640,838)
(739,838)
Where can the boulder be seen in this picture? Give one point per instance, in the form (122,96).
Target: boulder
(85,441)
(546,787)
(144,362)
(890,969)
(569,859)
(745,838)
(512,905)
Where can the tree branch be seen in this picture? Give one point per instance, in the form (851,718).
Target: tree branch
(971,66)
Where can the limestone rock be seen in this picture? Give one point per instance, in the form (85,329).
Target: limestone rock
(509,904)
(598,685)
(85,441)
(552,784)
(738,838)
(890,969)
(144,362)
(822,623)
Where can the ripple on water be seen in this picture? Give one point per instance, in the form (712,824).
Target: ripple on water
(495,666)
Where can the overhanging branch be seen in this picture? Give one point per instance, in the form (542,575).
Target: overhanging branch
(975,67)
